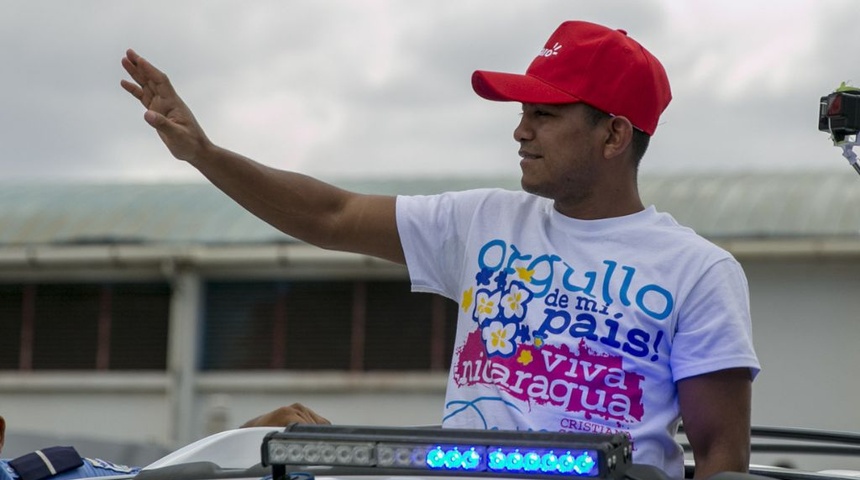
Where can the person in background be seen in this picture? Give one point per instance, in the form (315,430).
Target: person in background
(56,463)
(581,308)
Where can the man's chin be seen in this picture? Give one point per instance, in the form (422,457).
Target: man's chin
(531,187)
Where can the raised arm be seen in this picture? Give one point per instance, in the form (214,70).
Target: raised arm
(715,408)
(298,205)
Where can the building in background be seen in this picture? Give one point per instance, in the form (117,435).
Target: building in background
(157,314)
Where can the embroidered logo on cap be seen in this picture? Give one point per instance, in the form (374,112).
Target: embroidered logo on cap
(548,52)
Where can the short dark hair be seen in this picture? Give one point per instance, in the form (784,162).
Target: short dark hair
(640,139)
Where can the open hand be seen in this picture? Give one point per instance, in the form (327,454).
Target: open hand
(165,111)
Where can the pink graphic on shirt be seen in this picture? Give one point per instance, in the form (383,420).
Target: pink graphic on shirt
(579,380)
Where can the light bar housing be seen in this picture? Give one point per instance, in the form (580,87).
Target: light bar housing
(435,451)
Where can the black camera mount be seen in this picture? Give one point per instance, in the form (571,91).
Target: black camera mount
(839,115)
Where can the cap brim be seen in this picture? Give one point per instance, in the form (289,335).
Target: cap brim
(511,87)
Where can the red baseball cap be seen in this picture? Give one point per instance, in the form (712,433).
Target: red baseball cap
(589,63)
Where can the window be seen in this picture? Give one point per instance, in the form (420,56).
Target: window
(11,306)
(138,336)
(270,325)
(84,326)
(407,331)
(318,325)
(65,327)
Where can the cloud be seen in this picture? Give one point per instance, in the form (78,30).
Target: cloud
(381,88)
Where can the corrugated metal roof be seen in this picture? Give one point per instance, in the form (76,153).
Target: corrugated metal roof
(761,205)
(125,213)
(717,206)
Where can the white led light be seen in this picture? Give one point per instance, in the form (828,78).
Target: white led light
(417,457)
(277,452)
(320,453)
(385,456)
(285,452)
(403,456)
(328,454)
(363,454)
(311,453)
(294,453)
(343,454)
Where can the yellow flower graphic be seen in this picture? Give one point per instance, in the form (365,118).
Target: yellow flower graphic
(525,273)
(499,338)
(525,357)
(468,297)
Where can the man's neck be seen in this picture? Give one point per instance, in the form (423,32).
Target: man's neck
(605,204)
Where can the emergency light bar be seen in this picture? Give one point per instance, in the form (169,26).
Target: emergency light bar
(434,451)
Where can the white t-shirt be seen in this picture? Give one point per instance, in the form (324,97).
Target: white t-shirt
(575,325)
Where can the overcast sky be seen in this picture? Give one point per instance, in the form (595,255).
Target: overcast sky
(377,88)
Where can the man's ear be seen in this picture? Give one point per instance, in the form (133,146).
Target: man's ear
(619,136)
(2,432)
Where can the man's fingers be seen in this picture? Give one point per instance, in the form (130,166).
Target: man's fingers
(153,77)
(132,88)
(319,420)
(303,414)
(131,67)
(161,123)
(131,54)
(139,88)
(309,416)
(153,81)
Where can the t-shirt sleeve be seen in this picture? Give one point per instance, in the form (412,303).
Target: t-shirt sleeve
(714,330)
(432,231)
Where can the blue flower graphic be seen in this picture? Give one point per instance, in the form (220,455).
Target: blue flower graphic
(483,277)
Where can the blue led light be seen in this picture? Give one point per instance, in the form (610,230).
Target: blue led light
(502,459)
(514,460)
(471,460)
(549,462)
(584,464)
(453,459)
(531,462)
(496,460)
(566,463)
(436,458)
